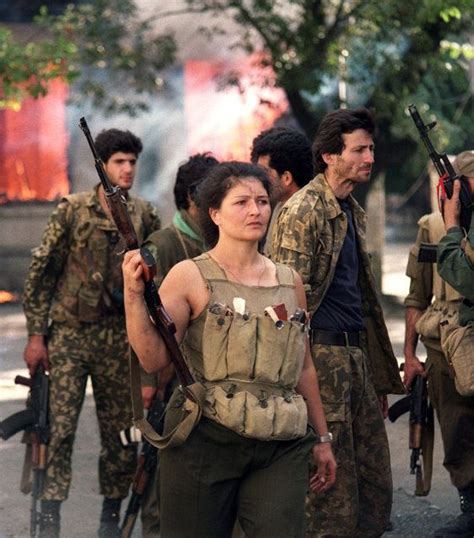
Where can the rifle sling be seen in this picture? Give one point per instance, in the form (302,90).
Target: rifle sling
(195,397)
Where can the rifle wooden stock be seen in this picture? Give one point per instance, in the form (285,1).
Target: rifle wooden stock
(161,319)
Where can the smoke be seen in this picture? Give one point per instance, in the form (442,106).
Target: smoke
(162,131)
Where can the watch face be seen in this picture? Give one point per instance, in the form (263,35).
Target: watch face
(326,438)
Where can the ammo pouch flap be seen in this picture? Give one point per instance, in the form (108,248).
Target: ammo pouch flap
(457,343)
(428,324)
(195,396)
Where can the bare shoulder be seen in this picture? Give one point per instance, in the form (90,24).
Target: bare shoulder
(185,280)
(184,272)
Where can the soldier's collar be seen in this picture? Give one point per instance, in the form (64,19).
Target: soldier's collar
(95,201)
(333,209)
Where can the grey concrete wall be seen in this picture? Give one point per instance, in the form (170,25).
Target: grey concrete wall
(21,228)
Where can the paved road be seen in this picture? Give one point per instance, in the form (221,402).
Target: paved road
(412,516)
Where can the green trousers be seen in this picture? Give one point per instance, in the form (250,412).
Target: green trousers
(456,420)
(218,476)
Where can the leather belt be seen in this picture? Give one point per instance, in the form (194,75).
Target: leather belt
(335,338)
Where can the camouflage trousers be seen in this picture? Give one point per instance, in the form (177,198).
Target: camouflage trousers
(360,502)
(456,419)
(100,351)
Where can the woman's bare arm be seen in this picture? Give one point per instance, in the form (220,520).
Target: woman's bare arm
(178,297)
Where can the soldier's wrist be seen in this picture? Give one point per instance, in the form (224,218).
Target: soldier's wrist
(324,438)
(411,357)
(36,337)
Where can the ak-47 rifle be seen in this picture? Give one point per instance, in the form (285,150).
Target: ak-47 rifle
(421,435)
(447,176)
(161,319)
(146,468)
(34,421)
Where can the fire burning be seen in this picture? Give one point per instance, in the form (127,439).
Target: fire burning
(7,297)
(33,148)
(223,117)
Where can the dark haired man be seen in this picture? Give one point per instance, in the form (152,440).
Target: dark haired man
(179,241)
(321,234)
(182,239)
(286,156)
(73,302)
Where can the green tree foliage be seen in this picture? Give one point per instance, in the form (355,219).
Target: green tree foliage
(113,57)
(388,53)
(27,69)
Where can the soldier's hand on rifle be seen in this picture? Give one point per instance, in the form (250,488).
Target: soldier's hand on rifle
(452,207)
(36,352)
(412,367)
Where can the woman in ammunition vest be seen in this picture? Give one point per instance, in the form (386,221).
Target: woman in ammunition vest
(241,322)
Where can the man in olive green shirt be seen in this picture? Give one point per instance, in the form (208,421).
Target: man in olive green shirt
(456,266)
(455,259)
(179,241)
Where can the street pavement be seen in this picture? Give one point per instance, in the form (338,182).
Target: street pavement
(411,516)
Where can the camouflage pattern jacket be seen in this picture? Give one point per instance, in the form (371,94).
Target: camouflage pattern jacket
(308,236)
(75,275)
(456,266)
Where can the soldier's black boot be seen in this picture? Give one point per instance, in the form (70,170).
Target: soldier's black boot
(110,518)
(49,523)
(463,525)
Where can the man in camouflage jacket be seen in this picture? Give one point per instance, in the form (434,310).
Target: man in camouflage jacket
(286,156)
(73,302)
(321,234)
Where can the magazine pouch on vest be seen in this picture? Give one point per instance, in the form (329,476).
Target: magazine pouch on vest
(249,365)
(446,299)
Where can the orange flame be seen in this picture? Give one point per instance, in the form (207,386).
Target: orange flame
(33,148)
(7,297)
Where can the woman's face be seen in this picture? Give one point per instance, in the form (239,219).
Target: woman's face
(244,212)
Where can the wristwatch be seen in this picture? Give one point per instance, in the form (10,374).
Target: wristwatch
(326,438)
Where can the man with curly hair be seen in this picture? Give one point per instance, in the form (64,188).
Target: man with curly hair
(73,302)
(286,156)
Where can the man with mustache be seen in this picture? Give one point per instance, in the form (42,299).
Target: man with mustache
(321,233)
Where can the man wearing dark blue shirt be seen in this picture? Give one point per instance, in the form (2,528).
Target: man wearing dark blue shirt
(321,234)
